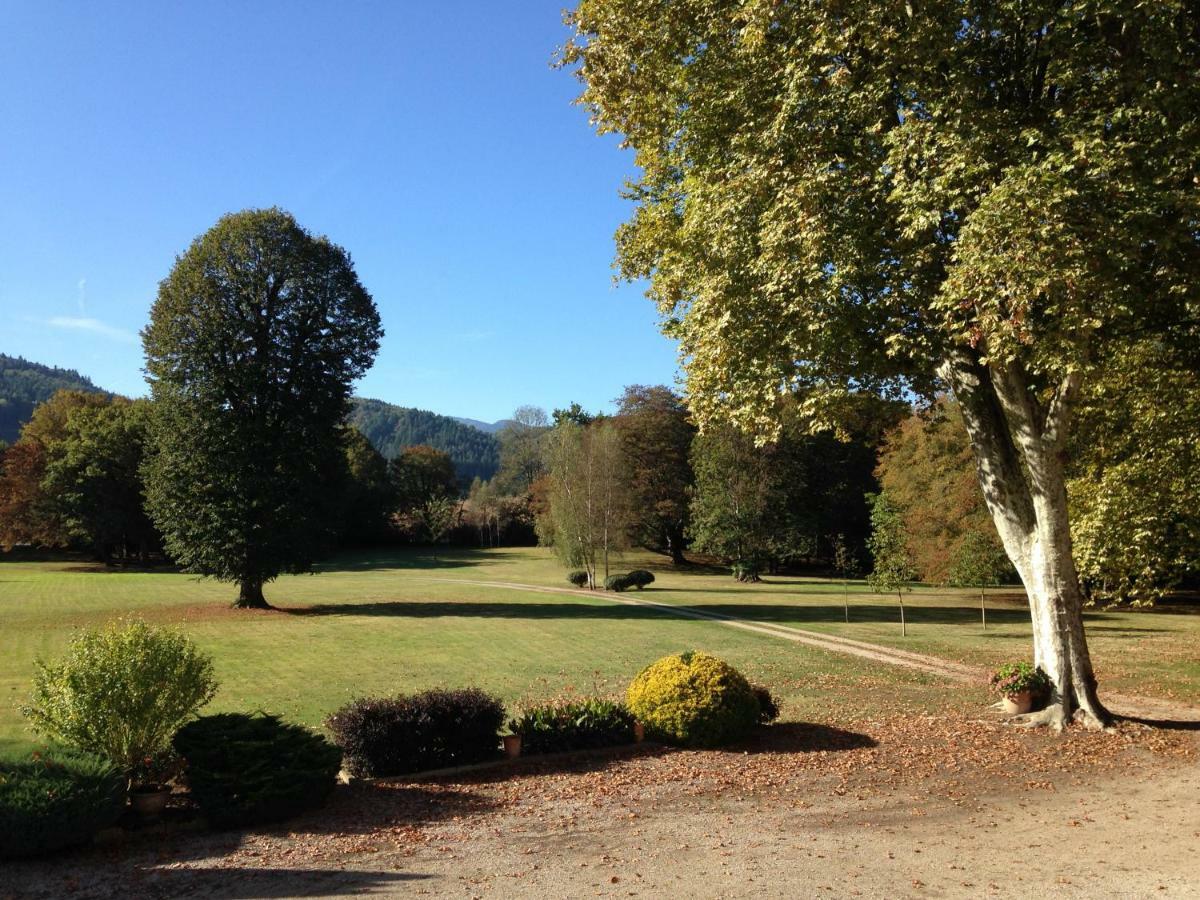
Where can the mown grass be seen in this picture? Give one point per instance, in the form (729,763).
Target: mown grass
(387,622)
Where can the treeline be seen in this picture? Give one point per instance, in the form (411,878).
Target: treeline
(25,384)
(391,429)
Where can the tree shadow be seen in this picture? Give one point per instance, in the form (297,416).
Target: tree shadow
(1165,724)
(244,883)
(420,559)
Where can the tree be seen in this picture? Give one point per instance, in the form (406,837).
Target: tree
(28,511)
(588,506)
(253,343)
(93,477)
(438,517)
(892,567)
(845,563)
(992,196)
(978,561)
(420,474)
(370,497)
(927,468)
(656,435)
(521,449)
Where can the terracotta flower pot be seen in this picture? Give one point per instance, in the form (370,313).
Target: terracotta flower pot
(639,732)
(149,802)
(1015,704)
(512,745)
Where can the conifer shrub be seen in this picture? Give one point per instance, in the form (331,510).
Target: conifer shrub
(768,707)
(58,798)
(578,577)
(693,700)
(249,769)
(640,578)
(436,729)
(573,725)
(617,583)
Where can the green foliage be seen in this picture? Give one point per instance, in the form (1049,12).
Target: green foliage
(640,578)
(1017,678)
(979,561)
(573,725)
(57,798)
(254,340)
(892,568)
(370,497)
(656,436)
(768,707)
(121,691)
(618,583)
(430,730)
(250,769)
(747,571)
(578,577)
(25,384)
(694,700)
(521,449)
(420,475)
(390,428)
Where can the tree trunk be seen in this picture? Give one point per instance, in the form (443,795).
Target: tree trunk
(1019,440)
(903,624)
(675,547)
(846,600)
(983,605)
(250,596)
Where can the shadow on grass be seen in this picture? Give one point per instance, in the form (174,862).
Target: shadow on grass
(244,883)
(1166,724)
(568,609)
(417,558)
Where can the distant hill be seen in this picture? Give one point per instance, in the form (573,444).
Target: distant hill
(25,384)
(489,427)
(392,428)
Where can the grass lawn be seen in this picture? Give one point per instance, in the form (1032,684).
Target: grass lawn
(388,622)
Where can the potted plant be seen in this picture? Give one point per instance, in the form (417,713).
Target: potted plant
(1020,686)
(150,784)
(512,741)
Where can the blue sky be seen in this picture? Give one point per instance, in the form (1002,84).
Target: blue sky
(433,141)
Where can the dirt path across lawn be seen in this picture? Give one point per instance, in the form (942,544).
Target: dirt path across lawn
(1146,708)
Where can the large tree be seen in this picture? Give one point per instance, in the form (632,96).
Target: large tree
(420,474)
(253,343)
(656,434)
(989,196)
(521,449)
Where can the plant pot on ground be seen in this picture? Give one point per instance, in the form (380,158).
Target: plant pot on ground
(1021,687)
(149,800)
(512,745)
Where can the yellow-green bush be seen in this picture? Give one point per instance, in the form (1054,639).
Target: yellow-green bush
(693,699)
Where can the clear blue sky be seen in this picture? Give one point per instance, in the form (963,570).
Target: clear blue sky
(432,140)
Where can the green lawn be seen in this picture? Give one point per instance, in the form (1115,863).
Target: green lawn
(384,623)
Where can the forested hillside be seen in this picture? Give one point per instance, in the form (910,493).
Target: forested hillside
(392,428)
(25,384)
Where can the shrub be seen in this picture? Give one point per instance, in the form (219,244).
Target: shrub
(433,730)
(747,571)
(121,691)
(617,583)
(1016,678)
(639,578)
(768,709)
(578,577)
(573,725)
(248,769)
(56,798)
(693,699)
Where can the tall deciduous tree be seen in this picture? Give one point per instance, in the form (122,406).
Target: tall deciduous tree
(521,450)
(891,563)
(990,196)
(253,343)
(656,434)
(420,474)
(370,497)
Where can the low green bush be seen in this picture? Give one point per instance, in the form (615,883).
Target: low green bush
(121,691)
(617,583)
(433,730)
(640,578)
(578,577)
(573,725)
(694,700)
(54,799)
(768,708)
(249,769)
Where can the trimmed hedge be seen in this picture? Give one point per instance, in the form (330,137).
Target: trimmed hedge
(56,798)
(578,577)
(694,700)
(640,578)
(617,583)
(433,730)
(573,725)
(250,769)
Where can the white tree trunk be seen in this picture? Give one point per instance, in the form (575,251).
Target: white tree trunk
(1019,441)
